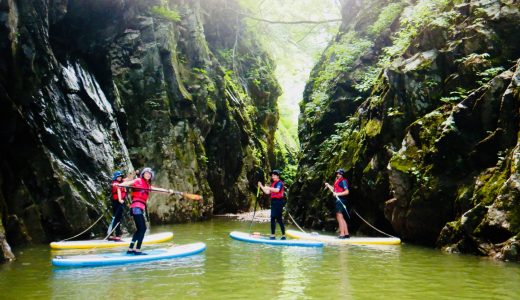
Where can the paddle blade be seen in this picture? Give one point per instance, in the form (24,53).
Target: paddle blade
(109,231)
(192,196)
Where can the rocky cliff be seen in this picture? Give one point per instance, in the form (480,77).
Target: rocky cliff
(419,102)
(88,87)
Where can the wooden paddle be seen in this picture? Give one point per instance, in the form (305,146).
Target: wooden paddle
(188,196)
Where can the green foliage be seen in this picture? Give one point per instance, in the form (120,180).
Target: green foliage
(202,76)
(369,79)
(473,57)
(392,112)
(446,19)
(230,83)
(372,127)
(386,18)
(289,172)
(489,189)
(257,156)
(401,163)
(413,19)
(211,104)
(260,73)
(488,74)
(166,13)
(340,58)
(456,96)
(200,71)
(226,56)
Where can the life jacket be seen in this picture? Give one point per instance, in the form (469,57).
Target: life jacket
(140,193)
(279,194)
(114,191)
(338,188)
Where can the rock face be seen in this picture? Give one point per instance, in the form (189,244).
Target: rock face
(419,102)
(88,87)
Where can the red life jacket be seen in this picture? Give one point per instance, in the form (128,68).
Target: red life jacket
(337,187)
(114,190)
(278,195)
(140,193)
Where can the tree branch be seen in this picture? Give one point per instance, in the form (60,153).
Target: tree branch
(289,22)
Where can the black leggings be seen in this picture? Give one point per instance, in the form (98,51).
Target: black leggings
(140,223)
(276,214)
(117,211)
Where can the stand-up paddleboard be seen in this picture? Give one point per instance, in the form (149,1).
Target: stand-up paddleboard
(351,241)
(253,238)
(108,259)
(148,240)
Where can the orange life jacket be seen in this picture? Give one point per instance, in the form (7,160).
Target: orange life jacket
(279,194)
(114,191)
(140,193)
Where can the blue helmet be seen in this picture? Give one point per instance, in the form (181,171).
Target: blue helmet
(340,172)
(149,170)
(117,174)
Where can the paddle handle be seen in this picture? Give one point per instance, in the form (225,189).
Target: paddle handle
(329,187)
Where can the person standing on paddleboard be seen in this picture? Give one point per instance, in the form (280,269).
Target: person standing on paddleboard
(118,200)
(142,187)
(340,192)
(277,202)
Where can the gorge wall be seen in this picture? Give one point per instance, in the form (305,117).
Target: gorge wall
(88,87)
(419,102)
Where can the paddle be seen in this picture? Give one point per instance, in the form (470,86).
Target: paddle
(254,211)
(188,196)
(337,198)
(109,230)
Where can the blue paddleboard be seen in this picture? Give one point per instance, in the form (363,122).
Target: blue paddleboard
(107,259)
(250,238)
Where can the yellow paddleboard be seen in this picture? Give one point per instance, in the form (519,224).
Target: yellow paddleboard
(351,241)
(88,244)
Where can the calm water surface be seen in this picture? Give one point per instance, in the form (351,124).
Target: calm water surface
(230,269)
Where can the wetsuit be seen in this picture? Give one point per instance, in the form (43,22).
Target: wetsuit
(277,204)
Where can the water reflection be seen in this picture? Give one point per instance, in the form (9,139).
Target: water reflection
(296,275)
(146,279)
(230,269)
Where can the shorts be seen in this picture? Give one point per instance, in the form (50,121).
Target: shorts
(340,206)
(136,211)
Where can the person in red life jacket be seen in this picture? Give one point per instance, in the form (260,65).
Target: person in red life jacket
(118,200)
(340,192)
(277,202)
(142,187)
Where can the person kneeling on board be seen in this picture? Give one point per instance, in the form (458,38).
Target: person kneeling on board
(340,192)
(142,187)
(277,202)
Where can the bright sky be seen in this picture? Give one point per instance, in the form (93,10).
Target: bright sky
(295,48)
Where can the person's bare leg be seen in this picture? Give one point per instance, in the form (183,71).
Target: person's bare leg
(346,227)
(341,223)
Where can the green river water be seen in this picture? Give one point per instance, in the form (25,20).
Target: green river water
(230,269)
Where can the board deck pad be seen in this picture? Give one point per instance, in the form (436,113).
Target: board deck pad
(329,239)
(246,237)
(88,244)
